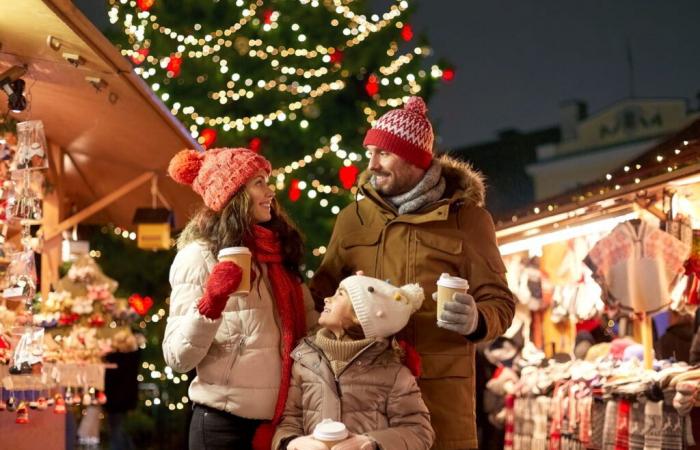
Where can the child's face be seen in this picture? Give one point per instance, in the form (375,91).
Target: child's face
(338,313)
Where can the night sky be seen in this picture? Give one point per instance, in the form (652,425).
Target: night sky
(517,59)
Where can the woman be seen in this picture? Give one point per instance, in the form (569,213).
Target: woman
(239,344)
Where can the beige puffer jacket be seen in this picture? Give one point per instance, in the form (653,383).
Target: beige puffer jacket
(374,395)
(237,356)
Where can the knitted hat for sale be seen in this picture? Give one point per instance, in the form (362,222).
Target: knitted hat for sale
(405,132)
(218,173)
(382,309)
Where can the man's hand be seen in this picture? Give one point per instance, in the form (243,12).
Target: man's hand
(306,443)
(460,315)
(355,442)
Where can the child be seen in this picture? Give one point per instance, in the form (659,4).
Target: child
(240,344)
(350,372)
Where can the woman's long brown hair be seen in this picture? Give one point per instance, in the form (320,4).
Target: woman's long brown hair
(233,227)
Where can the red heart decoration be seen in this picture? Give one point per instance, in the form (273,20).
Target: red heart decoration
(140,304)
(348,175)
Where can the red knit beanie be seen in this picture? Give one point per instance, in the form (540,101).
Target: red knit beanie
(405,132)
(218,173)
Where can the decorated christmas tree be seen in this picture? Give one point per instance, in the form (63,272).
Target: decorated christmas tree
(298,81)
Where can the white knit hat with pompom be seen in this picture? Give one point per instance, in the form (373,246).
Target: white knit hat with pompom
(382,309)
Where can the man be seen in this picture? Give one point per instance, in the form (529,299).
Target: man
(420,217)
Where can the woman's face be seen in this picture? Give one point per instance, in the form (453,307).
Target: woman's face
(261,197)
(337,314)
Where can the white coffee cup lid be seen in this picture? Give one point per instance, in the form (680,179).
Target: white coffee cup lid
(447,280)
(330,430)
(228,251)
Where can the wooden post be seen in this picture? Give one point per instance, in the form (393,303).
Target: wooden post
(52,215)
(647,341)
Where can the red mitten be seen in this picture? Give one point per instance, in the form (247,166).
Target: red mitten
(223,281)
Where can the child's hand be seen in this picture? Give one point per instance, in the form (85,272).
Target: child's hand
(355,442)
(306,443)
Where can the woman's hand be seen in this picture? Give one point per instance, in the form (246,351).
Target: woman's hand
(306,443)
(223,281)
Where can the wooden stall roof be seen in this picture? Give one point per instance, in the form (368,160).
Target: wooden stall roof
(113,134)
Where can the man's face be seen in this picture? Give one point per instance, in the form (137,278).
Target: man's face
(391,175)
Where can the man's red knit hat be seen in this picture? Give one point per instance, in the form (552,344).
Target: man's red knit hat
(218,173)
(406,132)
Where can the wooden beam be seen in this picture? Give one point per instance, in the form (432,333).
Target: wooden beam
(52,214)
(99,205)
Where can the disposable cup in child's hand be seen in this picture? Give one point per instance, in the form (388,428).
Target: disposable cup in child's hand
(241,256)
(447,286)
(330,432)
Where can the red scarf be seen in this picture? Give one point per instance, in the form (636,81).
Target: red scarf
(289,299)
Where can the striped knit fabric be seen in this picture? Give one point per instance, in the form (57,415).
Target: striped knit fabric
(610,424)
(622,438)
(653,425)
(597,423)
(673,425)
(510,422)
(637,425)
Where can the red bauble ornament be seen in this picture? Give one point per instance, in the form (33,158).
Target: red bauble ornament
(140,304)
(139,56)
(145,5)
(255,144)
(174,66)
(372,85)
(267,16)
(407,32)
(348,175)
(207,137)
(448,74)
(337,57)
(294,191)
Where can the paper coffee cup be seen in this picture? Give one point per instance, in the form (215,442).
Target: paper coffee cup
(330,432)
(447,286)
(241,256)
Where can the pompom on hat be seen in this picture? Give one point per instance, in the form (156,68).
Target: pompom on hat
(405,132)
(382,309)
(217,174)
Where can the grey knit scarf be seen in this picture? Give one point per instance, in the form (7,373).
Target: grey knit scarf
(428,190)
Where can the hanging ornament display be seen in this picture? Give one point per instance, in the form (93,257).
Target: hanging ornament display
(139,56)
(207,137)
(145,5)
(31,146)
(348,175)
(407,32)
(255,144)
(372,85)
(448,74)
(294,191)
(174,66)
(337,57)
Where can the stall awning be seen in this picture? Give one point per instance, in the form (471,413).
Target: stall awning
(110,124)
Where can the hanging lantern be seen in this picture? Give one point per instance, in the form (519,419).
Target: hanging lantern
(153,228)
(255,144)
(348,175)
(407,32)
(174,66)
(145,5)
(294,191)
(372,85)
(207,137)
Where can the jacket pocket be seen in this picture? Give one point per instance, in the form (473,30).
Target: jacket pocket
(451,246)
(434,255)
(216,367)
(360,250)
(449,365)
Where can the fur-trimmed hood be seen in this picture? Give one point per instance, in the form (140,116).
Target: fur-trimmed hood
(462,180)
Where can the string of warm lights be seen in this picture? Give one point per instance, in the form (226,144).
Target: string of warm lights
(613,185)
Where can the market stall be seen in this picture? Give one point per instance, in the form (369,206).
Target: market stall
(597,274)
(82,140)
